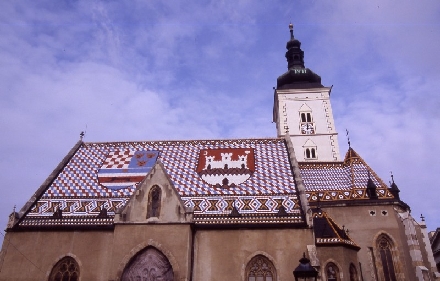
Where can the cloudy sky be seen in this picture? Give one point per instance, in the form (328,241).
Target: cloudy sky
(150,70)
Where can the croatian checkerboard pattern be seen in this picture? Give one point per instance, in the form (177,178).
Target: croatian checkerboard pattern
(118,159)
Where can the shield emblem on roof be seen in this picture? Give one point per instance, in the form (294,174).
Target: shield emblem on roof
(124,168)
(226,167)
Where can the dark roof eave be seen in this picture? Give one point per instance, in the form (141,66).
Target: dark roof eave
(299,78)
(339,244)
(360,202)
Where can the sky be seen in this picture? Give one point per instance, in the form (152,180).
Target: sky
(179,70)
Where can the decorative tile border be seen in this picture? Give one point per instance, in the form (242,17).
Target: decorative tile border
(219,205)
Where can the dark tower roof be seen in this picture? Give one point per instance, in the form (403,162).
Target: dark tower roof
(394,189)
(371,188)
(297,75)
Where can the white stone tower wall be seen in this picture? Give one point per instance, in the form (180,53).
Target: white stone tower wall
(290,104)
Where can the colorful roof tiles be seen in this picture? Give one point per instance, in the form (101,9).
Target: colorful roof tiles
(347,180)
(328,233)
(213,177)
(259,176)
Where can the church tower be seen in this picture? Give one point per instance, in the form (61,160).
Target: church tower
(302,109)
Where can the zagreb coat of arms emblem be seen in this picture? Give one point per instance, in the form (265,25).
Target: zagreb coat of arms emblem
(226,167)
(122,169)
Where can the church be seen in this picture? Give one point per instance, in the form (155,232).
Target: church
(270,209)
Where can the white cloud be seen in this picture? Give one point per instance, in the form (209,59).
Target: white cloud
(188,70)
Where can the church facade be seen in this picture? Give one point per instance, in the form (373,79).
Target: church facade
(232,209)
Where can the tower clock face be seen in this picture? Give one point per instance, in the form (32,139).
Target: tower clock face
(307,129)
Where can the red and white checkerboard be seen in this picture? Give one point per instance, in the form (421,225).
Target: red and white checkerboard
(118,160)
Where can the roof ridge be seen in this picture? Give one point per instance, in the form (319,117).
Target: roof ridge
(45,185)
(351,156)
(187,140)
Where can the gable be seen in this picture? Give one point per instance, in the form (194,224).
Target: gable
(305,107)
(155,200)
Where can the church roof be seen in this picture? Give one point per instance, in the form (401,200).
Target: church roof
(222,181)
(347,180)
(93,178)
(329,233)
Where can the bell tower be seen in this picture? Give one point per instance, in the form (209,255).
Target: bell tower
(302,109)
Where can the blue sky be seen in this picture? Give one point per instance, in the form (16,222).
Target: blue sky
(150,70)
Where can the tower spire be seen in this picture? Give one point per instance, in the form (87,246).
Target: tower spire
(393,188)
(291,30)
(294,54)
(297,75)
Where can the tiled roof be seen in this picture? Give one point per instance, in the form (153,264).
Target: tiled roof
(260,183)
(345,180)
(327,232)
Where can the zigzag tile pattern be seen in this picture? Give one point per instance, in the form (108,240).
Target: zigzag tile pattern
(222,205)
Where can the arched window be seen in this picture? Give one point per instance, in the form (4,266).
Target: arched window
(66,269)
(311,153)
(154,199)
(260,268)
(149,264)
(385,255)
(353,273)
(306,117)
(307,153)
(332,272)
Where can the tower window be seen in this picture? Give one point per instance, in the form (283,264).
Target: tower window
(306,124)
(306,117)
(310,150)
(311,153)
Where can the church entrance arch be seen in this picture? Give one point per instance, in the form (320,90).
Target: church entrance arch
(149,265)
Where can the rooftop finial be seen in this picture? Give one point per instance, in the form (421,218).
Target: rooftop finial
(291,30)
(392,176)
(83,133)
(348,138)
(422,217)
